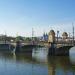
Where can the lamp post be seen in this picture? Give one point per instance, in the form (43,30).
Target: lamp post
(57,35)
(5,37)
(73,32)
(32,36)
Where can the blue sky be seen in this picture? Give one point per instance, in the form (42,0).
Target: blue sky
(20,16)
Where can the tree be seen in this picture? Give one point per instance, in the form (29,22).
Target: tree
(19,38)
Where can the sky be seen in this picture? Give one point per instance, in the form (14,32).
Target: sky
(18,17)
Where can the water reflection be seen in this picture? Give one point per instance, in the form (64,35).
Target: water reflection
(72,55)
(40,55)
(11,64)
(59,65)
(36,63)
(21,64)
(21,57)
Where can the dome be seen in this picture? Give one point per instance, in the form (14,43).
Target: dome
(64,34)
(52,32)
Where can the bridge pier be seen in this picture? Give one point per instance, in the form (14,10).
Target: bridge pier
(61,51)
(18,47)
(51,51)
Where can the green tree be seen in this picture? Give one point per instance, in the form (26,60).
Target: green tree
(19,38)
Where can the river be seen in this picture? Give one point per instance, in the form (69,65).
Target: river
(37,63)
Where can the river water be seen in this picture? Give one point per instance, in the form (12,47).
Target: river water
(37,63)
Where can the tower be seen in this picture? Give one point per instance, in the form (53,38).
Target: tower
(51,36)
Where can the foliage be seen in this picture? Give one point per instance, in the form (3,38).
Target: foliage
(19,38)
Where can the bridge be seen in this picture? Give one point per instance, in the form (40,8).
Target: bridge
(57,48)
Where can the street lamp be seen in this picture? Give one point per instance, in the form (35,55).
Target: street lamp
(57,35)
